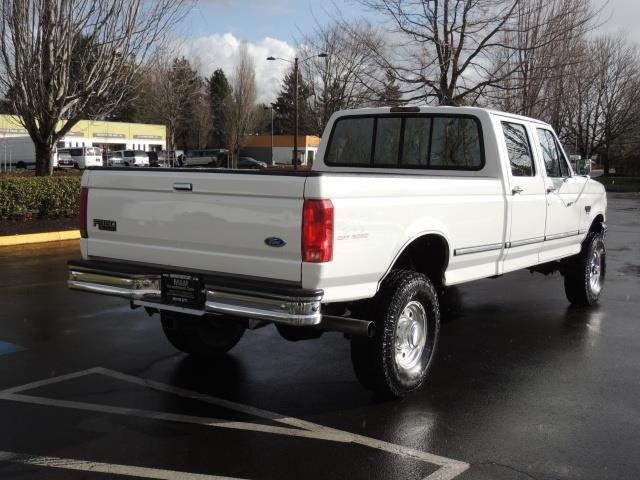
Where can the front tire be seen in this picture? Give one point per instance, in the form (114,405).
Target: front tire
(207,336)
(585,273)
(397,360)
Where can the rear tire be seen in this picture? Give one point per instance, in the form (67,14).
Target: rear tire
(206,336)
(397,360)
(585,273)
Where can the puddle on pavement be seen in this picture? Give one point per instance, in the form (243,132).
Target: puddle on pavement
(630,269)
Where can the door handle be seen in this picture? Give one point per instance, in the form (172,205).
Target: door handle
(516,190)
(187,187)
(551,189)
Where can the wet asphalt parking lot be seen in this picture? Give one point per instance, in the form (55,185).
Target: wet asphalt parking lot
(523,387)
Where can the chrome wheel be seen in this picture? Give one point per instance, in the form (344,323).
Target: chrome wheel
(595,271)
(411,336)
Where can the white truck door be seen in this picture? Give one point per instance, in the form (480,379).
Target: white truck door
(525,196)
(561,230)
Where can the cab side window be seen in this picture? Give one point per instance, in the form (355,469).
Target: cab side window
(518,149)
(554,162)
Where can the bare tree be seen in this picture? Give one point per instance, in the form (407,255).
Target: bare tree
(65,60)
(350,76)
(172,89)
(605,99)
(445,49)
(454,52)
(541,52)
(243,115)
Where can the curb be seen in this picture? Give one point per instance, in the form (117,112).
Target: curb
(12,240)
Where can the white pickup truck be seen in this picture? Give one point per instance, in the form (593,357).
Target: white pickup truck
(401,203)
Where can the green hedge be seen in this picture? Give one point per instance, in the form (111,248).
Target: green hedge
(39,196)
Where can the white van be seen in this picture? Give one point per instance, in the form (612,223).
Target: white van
(20,152)
(84,157)
(128,158)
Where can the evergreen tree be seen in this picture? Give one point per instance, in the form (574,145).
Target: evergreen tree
(390,95)
(187,85)
(284,108)
(220,101)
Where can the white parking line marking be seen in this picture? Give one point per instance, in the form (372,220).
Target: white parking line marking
(136,412)
(453,465)
(48,381)
(114,469)
(448,470)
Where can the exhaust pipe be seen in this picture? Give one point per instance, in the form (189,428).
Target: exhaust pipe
(353,326)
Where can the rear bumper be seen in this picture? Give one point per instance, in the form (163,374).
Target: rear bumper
(246,298)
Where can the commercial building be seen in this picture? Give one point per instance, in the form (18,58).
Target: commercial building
(260,148)
(97,133)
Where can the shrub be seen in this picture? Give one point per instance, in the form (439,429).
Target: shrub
(28,197)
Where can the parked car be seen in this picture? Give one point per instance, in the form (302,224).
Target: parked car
(114,159)
(130,158)
(65,160)
(84,157)
(248,162)
(401,203)
(213,157)
(169,158)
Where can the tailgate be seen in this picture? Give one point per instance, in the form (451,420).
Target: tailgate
(220,225)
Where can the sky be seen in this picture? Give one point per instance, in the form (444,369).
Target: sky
(212,32)
(620,16)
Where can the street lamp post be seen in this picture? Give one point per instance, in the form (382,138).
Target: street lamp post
(271,108)
(295,114)
(295,62)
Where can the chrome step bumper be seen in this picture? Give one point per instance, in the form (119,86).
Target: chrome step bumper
(145,290)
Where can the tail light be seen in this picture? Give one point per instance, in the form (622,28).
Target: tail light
(84,195)
(317,231)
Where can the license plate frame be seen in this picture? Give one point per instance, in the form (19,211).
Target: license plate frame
(182,290)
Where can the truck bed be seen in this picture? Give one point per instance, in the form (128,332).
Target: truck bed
(218,222)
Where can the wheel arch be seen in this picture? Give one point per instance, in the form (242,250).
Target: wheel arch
(597,224)
(427,253)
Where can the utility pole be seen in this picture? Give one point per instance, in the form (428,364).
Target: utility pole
(295,114)
(295,101)
(271,108)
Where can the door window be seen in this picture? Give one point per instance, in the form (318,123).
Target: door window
(518,149)
(554,162)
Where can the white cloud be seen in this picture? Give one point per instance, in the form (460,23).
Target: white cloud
(221,51)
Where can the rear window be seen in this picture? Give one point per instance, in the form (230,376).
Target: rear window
(350,142)
(76,152)
(452,142)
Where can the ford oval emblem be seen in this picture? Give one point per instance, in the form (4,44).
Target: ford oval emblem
(275,242)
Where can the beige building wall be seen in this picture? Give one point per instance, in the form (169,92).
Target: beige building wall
(109,135)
